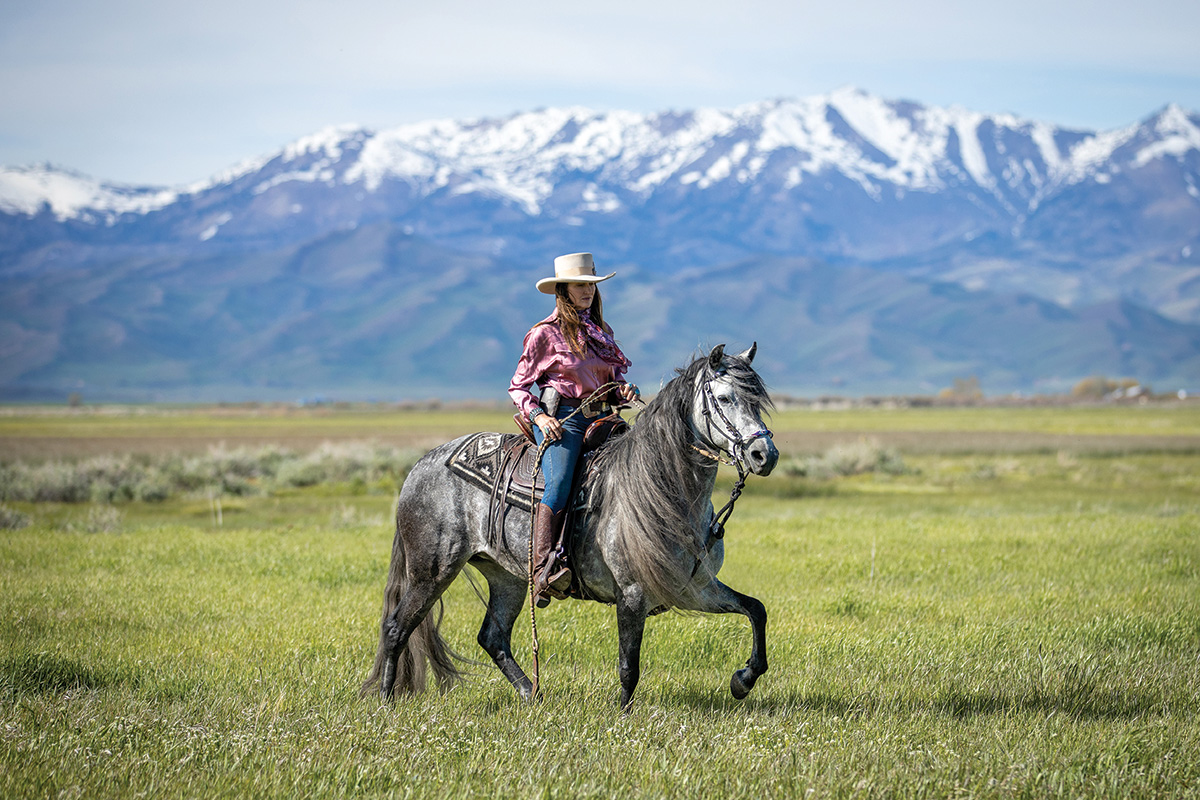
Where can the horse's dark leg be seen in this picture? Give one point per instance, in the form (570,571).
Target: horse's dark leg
(631,623)
(743,679)
(717,598)
(506,596)
(409,613)
(395,638)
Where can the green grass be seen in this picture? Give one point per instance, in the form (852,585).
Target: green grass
(214,423)
(1152,419)
(283,422)
(988,625)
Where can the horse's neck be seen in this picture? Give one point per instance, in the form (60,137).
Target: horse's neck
(708,479)
(704,479)
(686,483)
(708,473)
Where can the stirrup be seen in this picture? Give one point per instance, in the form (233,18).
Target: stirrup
(556,588)
(542,597)
(561,582)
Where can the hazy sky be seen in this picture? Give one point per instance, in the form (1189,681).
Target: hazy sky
(165,92)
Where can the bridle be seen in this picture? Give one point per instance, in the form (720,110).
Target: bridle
(738,442)
(736,451)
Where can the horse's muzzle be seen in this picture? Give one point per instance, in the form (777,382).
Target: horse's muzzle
(762,456)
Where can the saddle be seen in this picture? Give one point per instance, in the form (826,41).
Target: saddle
(521,452)
(503,465)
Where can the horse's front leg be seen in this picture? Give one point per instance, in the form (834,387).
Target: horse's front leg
(631,623)
(717,598)
(506,595)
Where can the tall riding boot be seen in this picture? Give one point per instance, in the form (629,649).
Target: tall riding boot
(551,575)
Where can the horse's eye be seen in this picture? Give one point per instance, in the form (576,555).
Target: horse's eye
(724,400)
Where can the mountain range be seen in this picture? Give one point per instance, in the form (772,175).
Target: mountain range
(869,245)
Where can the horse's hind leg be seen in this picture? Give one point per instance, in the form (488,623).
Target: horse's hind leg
(506,596)
(717,598)
(631,625)
(398,628)
(425,561)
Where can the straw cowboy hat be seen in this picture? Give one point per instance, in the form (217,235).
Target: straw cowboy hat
(572,268)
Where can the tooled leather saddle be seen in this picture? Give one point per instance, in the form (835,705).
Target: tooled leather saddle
(502,465)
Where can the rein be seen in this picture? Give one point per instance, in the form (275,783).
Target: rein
(537,467)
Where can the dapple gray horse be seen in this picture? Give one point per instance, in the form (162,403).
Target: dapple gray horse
(649,540)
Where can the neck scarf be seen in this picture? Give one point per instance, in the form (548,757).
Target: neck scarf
(601,342)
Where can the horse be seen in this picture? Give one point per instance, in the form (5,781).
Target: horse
(647,541)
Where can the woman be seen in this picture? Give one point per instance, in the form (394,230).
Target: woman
(571,352)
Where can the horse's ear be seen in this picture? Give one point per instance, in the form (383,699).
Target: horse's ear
(714,358)
(748,356)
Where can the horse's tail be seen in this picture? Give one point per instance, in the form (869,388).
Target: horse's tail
(425,647)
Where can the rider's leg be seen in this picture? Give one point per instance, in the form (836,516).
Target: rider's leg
(549,539)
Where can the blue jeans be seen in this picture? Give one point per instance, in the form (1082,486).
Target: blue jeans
(559,458)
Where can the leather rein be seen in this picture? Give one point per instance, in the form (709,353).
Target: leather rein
(537,467)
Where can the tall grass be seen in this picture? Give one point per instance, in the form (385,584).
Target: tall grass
(1010,626)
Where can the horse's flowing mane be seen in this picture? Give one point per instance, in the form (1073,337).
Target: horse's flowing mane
(649,485)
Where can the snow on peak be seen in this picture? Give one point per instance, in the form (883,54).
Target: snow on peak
(616,156)
(1177,135)
(29,190)
(327,142)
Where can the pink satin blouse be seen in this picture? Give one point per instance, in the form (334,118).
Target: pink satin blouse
(547,360)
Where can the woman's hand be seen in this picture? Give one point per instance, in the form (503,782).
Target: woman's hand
(551,428)
(629,392)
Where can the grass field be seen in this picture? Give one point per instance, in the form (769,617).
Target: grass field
(1005,617)
(62,432)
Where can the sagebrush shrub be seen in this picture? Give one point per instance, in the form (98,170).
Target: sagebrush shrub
(11,519)
(240,472)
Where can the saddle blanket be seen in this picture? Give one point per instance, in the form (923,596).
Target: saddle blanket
(497,462)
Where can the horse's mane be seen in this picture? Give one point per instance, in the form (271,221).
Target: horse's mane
(649,483)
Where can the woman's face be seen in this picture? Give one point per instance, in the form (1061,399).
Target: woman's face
(581,295)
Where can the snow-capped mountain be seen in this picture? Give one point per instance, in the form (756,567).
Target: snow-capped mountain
(993,203)
(844,175)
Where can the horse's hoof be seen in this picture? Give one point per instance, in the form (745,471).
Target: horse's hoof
(741,683)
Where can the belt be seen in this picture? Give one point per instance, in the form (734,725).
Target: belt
(595,408)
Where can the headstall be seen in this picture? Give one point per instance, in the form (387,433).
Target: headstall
(737,450)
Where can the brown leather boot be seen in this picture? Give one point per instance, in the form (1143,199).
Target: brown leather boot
(551,575)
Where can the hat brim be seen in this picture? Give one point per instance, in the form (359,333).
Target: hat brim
(546,285)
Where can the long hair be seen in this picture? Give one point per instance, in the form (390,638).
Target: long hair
(649,483)
(568,317)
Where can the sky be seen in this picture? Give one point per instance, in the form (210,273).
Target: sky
(160,92)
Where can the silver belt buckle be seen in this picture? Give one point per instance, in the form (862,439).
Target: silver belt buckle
(592,410)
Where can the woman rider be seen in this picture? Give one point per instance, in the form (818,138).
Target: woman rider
(573,353)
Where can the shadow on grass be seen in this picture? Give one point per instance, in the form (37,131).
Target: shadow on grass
(50,673)
(952,703)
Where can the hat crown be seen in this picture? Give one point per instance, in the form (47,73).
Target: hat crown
(574,265)
(572,268)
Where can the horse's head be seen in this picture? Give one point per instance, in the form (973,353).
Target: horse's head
(728,408)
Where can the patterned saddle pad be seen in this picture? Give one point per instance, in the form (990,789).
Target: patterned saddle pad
(496,461)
